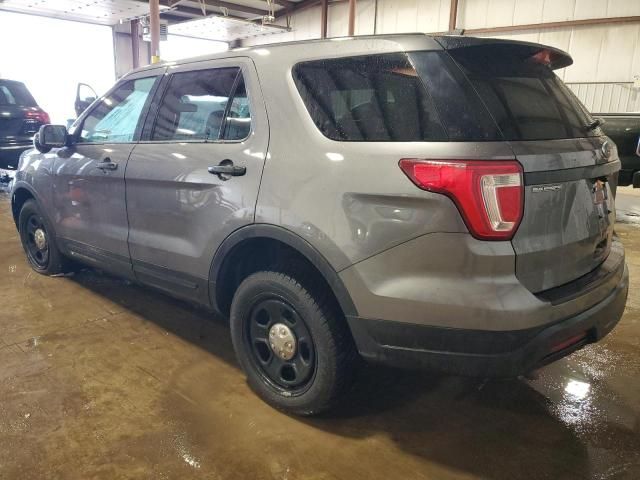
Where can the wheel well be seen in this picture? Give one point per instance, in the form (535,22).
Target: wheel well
(258,254)
(20,196)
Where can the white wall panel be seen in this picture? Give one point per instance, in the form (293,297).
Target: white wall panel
(602,53)
(473,14)
(623,8)
(608,97)
(365,17)
(558,10)
(589,9)
(500,13)
(527,11)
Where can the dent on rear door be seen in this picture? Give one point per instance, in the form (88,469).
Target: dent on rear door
(179,212)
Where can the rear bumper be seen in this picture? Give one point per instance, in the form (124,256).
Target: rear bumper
(10,153)
(487,353)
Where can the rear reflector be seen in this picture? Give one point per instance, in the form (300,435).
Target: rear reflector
(568,343)
(488,194)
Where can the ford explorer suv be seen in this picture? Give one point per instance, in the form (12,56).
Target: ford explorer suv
(436,202)
(20,119)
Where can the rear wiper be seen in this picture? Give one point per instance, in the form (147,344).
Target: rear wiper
(597,122)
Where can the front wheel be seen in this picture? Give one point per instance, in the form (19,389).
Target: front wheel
(37,241)
(291,342)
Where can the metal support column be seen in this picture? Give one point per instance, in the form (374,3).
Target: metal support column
(324,18)
(453,15)
(154,23)
(352,17)
(135,43)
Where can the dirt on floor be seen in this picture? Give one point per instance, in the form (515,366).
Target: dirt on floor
(103,379)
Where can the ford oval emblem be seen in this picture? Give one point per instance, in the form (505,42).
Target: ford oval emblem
(606,149)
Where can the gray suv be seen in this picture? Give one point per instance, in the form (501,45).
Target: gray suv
(440,202)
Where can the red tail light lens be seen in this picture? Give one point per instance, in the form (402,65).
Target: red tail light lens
(488,194)
(37,115)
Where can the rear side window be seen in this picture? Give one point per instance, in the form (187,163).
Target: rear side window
(527,100)
(15,93)
(400,97)
(375,98)
(196,104)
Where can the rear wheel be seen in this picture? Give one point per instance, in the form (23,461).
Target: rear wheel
(38,244)
(291,342)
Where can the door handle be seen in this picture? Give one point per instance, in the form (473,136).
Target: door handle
(227,169)
(107,164)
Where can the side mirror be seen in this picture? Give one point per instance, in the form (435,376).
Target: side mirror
(50,136)
(85,96)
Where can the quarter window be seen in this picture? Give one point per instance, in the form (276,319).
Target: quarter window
(195,104)
(116,118)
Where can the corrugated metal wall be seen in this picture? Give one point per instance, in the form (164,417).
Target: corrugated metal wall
(608,97)
(608,55)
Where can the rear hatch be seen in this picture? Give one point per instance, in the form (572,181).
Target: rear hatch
(20,116)
(570,167)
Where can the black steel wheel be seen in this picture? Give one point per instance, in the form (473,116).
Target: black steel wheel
(38,242)
(292,341)
(280,344)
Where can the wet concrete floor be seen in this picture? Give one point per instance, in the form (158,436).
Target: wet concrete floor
(103,379)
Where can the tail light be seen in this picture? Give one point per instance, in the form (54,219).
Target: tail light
(37,115)
(488,194)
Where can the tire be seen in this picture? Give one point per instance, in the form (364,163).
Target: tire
(47,260)
(324,355)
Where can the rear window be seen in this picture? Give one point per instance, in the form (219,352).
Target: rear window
(15,93)
(526,99)
(396,97)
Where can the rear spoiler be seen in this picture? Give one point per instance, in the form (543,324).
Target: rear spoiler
(553,57)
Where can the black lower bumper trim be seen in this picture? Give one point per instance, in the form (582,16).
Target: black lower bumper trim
(486,353)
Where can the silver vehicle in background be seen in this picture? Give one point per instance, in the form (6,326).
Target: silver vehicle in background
(439,202)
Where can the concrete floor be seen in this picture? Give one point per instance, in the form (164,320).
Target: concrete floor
(102,379)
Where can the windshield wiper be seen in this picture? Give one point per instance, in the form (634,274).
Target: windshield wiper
(597,122)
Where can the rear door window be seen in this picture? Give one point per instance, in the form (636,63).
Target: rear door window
(194,105)
(527,100)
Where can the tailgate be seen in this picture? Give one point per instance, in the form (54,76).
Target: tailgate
(569,213)
(570,167)
(11,123)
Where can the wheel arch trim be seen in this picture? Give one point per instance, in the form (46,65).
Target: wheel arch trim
(22,185)
(293,241)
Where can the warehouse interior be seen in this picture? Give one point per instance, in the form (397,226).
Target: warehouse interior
(104,377)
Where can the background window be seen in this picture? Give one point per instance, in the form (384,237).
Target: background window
(194,105)
(116,118)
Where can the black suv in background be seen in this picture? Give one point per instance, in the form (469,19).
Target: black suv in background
(20,119)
